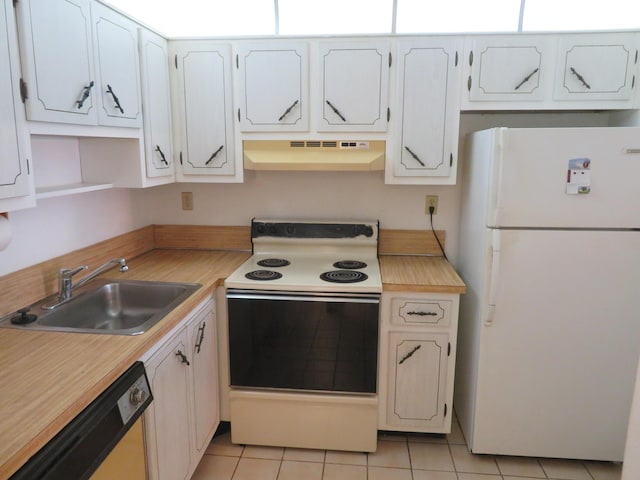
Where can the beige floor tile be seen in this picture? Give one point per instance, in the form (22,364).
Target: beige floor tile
(344,472)
(559,469)
(215,467)
(271,453)
(509,477)
(456,437)
(390,454)
(346,458)
(431,475)
(520,467)
(222,445)
(430,456)
(257,469)
(464,461)
(300,470)
(475,476)
(304,455)
(385,473)
(604,470)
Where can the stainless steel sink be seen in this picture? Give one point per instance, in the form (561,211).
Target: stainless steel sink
(116,307)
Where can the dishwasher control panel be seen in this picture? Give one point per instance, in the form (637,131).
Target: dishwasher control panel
(135,398)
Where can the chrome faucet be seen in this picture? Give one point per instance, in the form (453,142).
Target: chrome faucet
(65,277)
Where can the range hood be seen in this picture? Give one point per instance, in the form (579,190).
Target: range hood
(314,155)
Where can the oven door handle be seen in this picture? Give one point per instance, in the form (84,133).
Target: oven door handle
(347,298)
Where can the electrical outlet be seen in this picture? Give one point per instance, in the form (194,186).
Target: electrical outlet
(187,200)
(431,201)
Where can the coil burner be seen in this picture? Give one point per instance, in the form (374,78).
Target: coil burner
(343,276)
(350,264)
(263,275)
(274,262)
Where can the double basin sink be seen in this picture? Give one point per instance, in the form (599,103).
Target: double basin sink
(127,307)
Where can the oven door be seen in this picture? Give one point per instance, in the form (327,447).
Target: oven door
(301,341)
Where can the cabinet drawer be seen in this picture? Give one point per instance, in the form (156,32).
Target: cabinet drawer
(428,312)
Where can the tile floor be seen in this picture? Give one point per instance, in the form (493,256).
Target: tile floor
(399,457)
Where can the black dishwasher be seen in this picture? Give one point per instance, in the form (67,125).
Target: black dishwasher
(81,447)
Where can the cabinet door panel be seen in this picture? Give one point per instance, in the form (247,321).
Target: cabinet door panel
(15,180)
(170,437)
(273,87)
(116,51)
(156,105)
(428,92)
(354,86)
(204,97)
(202,334)
(507,72)
(58,60)
(417,378)
(596,71)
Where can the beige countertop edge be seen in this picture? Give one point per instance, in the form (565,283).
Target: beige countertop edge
(15,450)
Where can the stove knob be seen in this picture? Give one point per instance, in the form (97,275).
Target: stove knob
(273,228)
(137,396)
(290,229)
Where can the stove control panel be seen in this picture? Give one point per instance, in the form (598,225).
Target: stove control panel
(311,230)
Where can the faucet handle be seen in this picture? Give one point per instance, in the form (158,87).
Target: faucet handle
(70,272)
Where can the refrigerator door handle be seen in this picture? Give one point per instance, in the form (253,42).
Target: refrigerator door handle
(495,273)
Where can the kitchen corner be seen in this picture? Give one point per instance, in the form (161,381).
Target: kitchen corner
(49,377)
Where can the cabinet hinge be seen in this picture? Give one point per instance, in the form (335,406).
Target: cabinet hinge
(445,410)
(237,62)
(390,59)
(388,114)
(456,62)
(175,61)
(24,93)
(471,58)
(180,158)
(451,159)
(449,349)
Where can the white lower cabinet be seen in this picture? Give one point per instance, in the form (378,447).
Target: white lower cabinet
(183,416)
(417,352)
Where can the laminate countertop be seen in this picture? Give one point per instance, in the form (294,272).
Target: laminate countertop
(47,378)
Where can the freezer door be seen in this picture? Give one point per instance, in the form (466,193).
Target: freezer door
(565,177)
(559,346)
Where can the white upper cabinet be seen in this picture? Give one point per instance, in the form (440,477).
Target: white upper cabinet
(550,71)
(596,68)
(16,180)
(354,78)
(57,58)
(203,103)
(509,71)
(273,86)
(423,143)
(116,55)
(154,68)
(80,62)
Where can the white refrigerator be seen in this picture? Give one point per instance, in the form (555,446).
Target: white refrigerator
(550,325)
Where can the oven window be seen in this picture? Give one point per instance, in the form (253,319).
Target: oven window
(303,344)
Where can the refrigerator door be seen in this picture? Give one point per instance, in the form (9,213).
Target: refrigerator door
(537,175)
(559,339)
